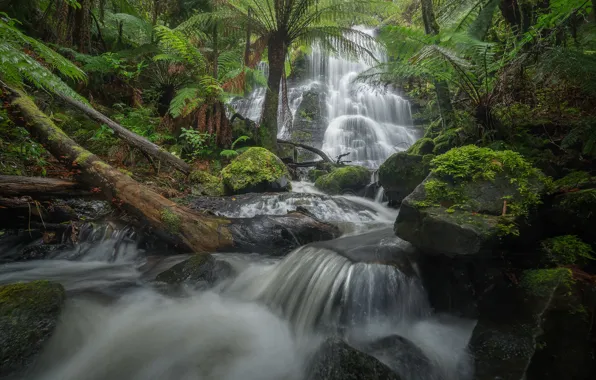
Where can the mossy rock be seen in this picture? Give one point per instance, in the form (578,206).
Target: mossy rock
(28,315)
(401,173)
(254,171)
(472,197)
(204,183)
(343,180)
(315,174)
(423,146)
(200,269)
(573,213)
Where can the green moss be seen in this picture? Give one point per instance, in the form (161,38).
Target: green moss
(567,250)
(206,183)
(423,146)
(252,168)
(541,282)
(314,174)
(28,314)
(573,180)
(171,221)
(346,178)
(460,166)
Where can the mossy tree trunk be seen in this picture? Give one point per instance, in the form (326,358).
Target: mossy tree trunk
(189,229)
(179,224)
(268,128)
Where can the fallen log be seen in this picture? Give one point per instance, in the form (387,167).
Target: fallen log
(192,230)
(40,188)
(316,151)
(148,148)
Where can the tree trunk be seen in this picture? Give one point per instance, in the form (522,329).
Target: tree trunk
(38,187)
(134,140)
(431,27)
(309,148)
(180,225)
(268,128)
(82,32)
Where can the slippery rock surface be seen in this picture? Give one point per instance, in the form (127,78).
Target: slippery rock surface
(28,315)
(401,173)
(254,171)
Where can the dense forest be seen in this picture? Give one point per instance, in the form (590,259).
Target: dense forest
(196,127)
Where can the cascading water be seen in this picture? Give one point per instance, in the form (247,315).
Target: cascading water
(369,123)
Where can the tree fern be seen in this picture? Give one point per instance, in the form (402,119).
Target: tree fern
(24,59)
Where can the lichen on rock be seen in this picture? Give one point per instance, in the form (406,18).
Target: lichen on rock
(344,179)
(256,170)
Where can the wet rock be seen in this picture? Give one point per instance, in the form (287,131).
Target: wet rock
(200,269)
(401,173)
(204,183)
(336,360)
(254,171)
(344,180)
(28,315)
(87,209)
(472,197)
(310,122)
(279,234)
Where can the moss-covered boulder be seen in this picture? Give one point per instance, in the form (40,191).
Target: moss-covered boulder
(401,173)
(422,147)
(201,270)
(204,183)
(28,315)
(347,179)
(254,171)
(472,197)
(315,174)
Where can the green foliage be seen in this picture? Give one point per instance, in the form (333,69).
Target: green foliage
(143,122)
(542,282)
(567,250)
(231,153)
(25,59)
(197,144)
(573,180)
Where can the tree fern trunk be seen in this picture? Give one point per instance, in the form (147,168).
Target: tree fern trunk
(431,27)
(82,31)
(268,127)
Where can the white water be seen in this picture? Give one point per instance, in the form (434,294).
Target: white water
(368,123)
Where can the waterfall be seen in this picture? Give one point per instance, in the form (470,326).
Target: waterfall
(368,123)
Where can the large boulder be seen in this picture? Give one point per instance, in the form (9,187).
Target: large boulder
(401,173)
(28,315)
(310,122)
(336,360)
(472,197)
(347,179)
(254,171)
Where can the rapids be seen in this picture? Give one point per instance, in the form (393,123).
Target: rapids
(265,322)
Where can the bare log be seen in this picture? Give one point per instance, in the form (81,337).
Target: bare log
(40,188)
(316,151)
(145,146)
(192,230)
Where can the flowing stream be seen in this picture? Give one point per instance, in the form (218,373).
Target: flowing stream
(265,322)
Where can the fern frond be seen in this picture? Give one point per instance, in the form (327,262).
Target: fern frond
(187,99)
